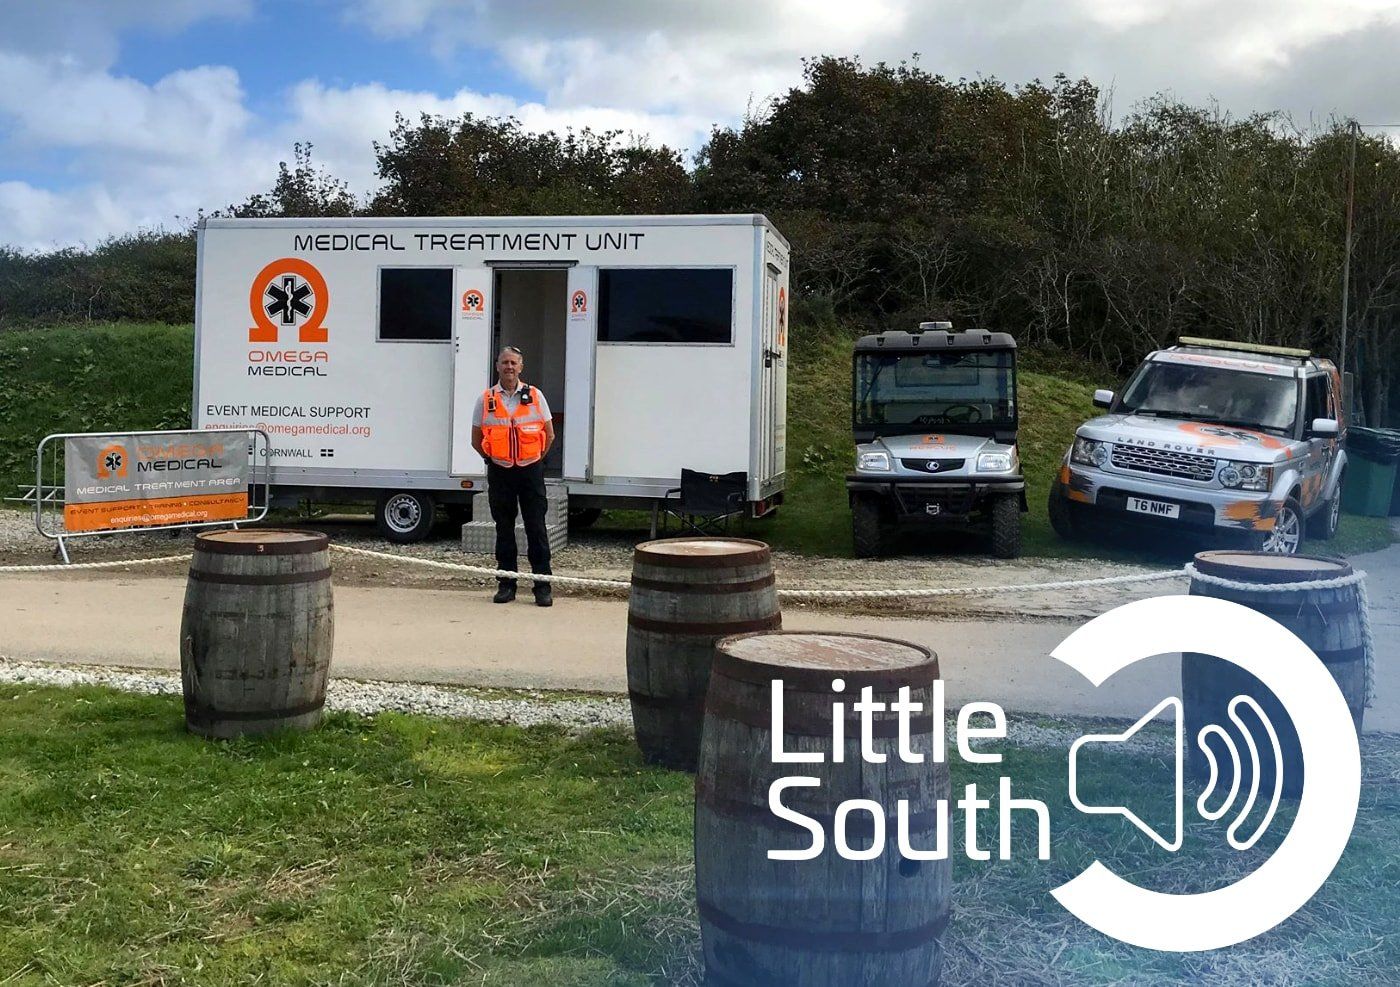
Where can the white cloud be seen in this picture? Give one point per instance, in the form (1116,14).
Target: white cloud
(133,153)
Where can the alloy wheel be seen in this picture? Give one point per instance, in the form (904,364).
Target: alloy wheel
(1287,533)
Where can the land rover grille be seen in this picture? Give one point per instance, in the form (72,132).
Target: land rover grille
(1163,462)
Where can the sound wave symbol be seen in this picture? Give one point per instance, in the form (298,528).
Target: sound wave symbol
(1172,706)
(1202,803)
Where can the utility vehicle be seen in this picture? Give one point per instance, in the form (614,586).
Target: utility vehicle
(934,416)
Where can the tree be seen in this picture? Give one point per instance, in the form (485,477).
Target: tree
(485,166)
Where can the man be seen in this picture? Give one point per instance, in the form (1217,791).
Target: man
(512,431)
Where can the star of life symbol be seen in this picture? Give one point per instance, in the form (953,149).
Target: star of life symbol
(288,301)
(113,461)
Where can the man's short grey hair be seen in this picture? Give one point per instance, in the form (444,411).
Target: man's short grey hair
(511,349)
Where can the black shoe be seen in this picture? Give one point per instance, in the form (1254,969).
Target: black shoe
(505,593)
(544,595)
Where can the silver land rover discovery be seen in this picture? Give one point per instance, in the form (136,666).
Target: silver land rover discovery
(1216,438)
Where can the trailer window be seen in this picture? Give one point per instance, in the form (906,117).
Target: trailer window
(666,305)
(415,304)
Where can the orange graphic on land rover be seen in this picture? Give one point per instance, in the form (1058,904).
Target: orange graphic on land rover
(289,293)
(1227,435)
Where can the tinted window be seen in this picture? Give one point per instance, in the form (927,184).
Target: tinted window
(665,305)
(415,303)
(1318,405)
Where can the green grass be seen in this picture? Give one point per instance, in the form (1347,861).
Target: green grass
(88,379)
(129,376)
(406,849)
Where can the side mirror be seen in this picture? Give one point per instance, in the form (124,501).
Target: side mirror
(1323,427)
(1103,398)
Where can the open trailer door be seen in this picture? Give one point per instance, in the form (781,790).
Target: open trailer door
(471,364)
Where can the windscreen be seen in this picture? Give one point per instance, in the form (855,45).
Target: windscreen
(935,390)
(1266,402)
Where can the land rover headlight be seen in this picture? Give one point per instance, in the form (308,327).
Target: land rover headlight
(1245,476)
(873,462)
(994,462)
(1087,452)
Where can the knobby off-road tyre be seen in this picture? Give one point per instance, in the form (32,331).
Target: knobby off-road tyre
(1006,527)
(404,516)
(1323,524)
(1062,519)
(868,529)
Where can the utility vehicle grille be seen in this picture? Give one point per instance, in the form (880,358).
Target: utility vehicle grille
(933,465)
(1161,462)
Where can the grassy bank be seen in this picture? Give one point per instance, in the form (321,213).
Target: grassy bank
(405,849)
(97,378)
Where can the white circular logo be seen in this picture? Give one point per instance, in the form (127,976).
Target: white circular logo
(1331,774)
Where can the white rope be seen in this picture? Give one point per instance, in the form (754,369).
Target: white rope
(920,592)
(70,566)
(482,570)
(1357,579)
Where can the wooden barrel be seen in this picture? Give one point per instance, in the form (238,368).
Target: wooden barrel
(255,641)
(1329,621)
(828,921)
(687,593)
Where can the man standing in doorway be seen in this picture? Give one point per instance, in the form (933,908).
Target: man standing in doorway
(512,431)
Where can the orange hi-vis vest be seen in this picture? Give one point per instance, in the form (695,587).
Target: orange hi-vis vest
(512,438)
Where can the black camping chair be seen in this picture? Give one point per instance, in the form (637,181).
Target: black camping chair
(703,503)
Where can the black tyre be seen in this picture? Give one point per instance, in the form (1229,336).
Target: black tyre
(868,528)
(1323,524)
(583,517)
(1006,527)
(404,516)
(1287,536)
(457,514)
(1062,519)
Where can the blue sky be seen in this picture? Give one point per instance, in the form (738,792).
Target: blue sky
(118,115)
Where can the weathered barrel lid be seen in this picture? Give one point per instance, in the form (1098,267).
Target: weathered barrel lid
(702,553)
(1269,567)
(261,541)
(811,659)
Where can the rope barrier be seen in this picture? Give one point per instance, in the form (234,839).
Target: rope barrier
(1357,579)
(70,566)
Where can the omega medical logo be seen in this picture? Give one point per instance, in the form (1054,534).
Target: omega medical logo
(473,302)
(111,462)
(578,304)
(289,293)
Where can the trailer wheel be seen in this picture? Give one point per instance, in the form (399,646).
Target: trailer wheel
(1006,527)
(404,516)
(867,527)
(581,518)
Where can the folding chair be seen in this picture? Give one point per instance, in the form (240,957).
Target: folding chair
(703,503)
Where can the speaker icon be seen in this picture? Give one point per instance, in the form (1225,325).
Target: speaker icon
(1260,773)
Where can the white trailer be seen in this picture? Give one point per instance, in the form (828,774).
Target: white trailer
(361,345)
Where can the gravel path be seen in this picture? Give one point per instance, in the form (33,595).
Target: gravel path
(1381,752)
(608,555)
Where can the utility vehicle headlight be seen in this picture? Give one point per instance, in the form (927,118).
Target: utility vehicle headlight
(994,462)
(873,461)
(1245,476)
(1087,452)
